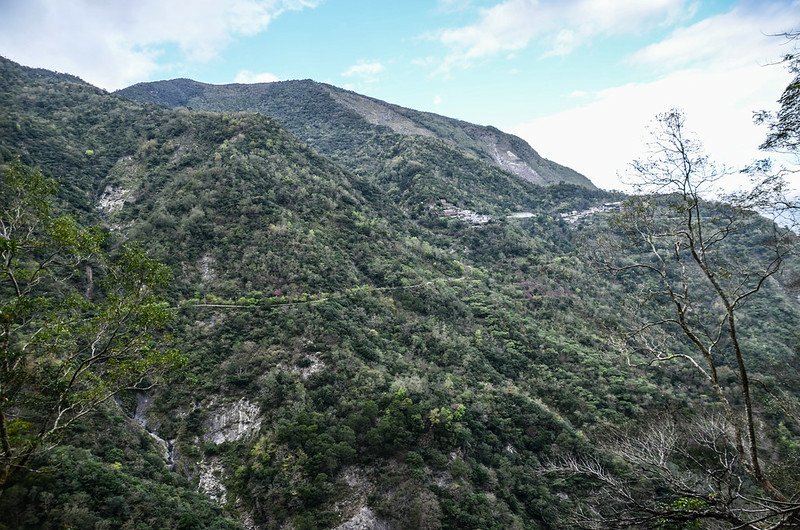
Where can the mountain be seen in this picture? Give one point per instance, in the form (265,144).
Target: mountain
(337,121)
(382,328)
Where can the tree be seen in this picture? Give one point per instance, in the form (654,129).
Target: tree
(783,136)
(77,326)
(784,126)
(697,263)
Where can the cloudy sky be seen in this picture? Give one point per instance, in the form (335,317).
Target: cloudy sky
(578,79)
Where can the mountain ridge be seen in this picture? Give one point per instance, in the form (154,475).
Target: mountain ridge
(290,101)
(370,333)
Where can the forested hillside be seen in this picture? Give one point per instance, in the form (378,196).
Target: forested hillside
(364,133)
(371,335)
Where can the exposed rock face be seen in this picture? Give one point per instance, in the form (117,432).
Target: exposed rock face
(233,422)
(378,113)
(113,199)
(210,480)
(315,365)
(365,519)
(208,270)
(508,160)
(248,522)
(143,403)
(487,142)
(227,423)
(356,490)
(296,104)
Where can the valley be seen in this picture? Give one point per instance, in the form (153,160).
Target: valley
(386,318)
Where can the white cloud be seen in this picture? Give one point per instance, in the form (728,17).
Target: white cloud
(365,70)
(735,37)
(437,100)
(246,76)
(113,44)
(562,25)
(718,92)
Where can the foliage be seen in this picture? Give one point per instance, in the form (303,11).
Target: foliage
(66,345)
(74,489)
(785,124)
(674,244)
(396,358)
(342,125)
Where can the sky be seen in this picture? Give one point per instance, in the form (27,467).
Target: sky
(580,80)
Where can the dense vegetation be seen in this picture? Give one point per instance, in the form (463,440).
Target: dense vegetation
(359,131)
(382,352)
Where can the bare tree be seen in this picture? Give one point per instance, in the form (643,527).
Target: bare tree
(784,125)
(680,475)
(677,247)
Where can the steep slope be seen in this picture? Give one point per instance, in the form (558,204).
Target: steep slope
(303,295)
(351,356)
(328,118)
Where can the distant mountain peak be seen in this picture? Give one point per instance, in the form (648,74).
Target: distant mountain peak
(305,106)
